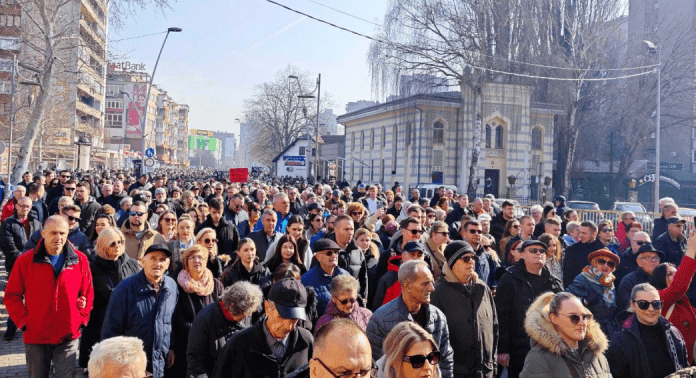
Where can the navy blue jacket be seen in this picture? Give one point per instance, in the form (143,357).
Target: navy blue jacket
(659,227)
(623,295)
(135,309)
(674,251)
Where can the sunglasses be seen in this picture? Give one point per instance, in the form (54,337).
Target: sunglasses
(575,318)
(417,361)
(644,305)
(329,253)
(475,232)
(641,242)
(72,219)
(467,259)
(356,213)
(515,226)
(608,230)
(349,300)
(208,240)
(169,220)
(116,242)
(536,250)
(136,213)
(611,264)
(415,232)
(68,189)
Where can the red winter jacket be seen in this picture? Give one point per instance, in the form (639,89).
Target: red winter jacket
(621,236)
(45,305)
(683,316)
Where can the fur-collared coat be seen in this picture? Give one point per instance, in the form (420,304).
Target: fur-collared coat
(551,357)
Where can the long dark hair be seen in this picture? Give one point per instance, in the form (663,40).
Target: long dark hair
(301,242)
(659,276)
(277,258)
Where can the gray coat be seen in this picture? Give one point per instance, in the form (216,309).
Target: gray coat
(551,357)
(395,312)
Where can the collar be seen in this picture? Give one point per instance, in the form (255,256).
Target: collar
(40,254)
(226,313)
(272,339)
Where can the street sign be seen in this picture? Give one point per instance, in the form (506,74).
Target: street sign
(149,162)
(150,152)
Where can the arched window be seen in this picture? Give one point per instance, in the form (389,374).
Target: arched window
(499,137)
(438,133)
(488,136)
(537,138)
(384,136)
(362,140)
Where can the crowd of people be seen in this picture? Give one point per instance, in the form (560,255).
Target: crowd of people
(184,274)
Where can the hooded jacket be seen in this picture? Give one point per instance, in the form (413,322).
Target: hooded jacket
(136,248)
(551,357)
(388,286)
(259,275)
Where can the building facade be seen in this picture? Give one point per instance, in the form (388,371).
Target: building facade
(427,138)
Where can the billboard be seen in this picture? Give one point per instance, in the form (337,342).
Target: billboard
(207,133)
(197,142)
(136,108)
(294,161)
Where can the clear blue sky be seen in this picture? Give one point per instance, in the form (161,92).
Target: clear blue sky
(228,47)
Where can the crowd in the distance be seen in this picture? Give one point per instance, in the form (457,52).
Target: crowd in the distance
(181,275)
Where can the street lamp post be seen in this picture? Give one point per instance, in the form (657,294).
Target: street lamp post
(653,49)
(149,87)
(309,135)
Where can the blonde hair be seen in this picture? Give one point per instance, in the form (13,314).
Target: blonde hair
(104,240)
(188,252)
(200,235)
(399,341)
(371,248)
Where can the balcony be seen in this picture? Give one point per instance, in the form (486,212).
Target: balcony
(97,15)
(87,109)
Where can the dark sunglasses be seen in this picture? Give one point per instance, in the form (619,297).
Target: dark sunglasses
(610,263)
(575,318)
(536,250)
(136,213)
(169,220)
(644,305)
(349,300)
(515,226)
(72,219)
(116,242)
(330,252)
(467,258)
(607,230)
(472,231)
(68,189)
(356,213)
(415,232)
(208,240)
(642,242)
(418,360)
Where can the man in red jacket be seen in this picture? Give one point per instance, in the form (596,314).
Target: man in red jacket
(49,296)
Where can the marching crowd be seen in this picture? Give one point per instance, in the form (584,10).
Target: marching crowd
(185,275)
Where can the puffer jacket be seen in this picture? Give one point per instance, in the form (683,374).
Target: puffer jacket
(551,357)
(394,312)
(136,248)
(352,259)
(259,275)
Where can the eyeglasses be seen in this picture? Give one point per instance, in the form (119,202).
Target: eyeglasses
(329,253)
(72,218)
(474,231)
(639,242)
(417,361)
(515,226)
(349,300)
(467,259)
(356,213)
(607,230)
(196,258)
(644,305)
(372,372)
(116,242)
(169,220)
(136,214)
(208,240)
(68,189)
(575,318)
(651,259)
(611,264)
(535,250)
(415,232)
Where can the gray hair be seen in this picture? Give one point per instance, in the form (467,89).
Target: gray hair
(269,212)
(125,200)
(160,190)
(119,351)
(408,271)
(242,298)
(572,225)
(536,207)
(280,195)
(669,206)
(627,213)
(343,283)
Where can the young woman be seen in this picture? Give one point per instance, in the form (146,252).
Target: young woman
(166,225)
(554,254)
(512,229)
(247,267)
(286,251)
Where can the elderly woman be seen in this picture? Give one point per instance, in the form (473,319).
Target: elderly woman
(101,222)
(438,240)
(286,251)
(208,239)
(344,303)
(166,225)
(184,239)
(554,254)
(566,342)
(216,323)
(595,288)
(357,212)
(409,351)
(197,289)
(246,267)
(109,267)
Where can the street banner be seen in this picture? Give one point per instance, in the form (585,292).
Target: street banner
(239,174)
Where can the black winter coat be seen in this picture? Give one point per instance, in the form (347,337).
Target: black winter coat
(352,259)
(89,212)
(498,226)
(513,298)
(261,241)
(247,354)
(227,235)
(576,259)
(259,275)
(209,333)
(13,236)
(659,227)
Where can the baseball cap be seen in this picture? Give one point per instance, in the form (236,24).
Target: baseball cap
(414,246)
(290,298)
(336,193)
(158,248)
(675,219)
(324,244)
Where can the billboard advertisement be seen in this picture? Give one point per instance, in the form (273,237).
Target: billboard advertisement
(136,108)
(207,133)
(294,161)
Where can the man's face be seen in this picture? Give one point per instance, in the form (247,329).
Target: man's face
(534,255)
(55,234)
(161,197)
(415,193)
(630,218)
(236,205)
(412,232)
(73,218)
(218,190)
(106,190)
(81,193)
(527,226)
(586,235)
(553,229)
(327,259)
(269,223)
(632,231)
(138,216)
(473,235)
(442,192)
(118,187)
(463,201)
(277,326)
(281,205)
(373,192)
(143,180)
(155,264)
(420,216)
(19,192)
(675,229)
(509,211)
(478,205)
(350,356)
(671,212)
(331,223)
(648,261)
(344,231)
(261,195)
(69,190)
(215,214)
(231,191)
(637,241)
(26,177)
(414,255)
(419,290)
(64,176)
(23,206)
(536,214)
(159,182)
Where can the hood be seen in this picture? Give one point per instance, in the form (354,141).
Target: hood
(393,263)
(540,329)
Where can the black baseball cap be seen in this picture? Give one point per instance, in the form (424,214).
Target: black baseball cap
(160,248)
(290,298)
(414,246)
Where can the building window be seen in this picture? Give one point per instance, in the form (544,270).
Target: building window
(5,87)
(6,65)
(499,137)
(384,136)
(352,142)
(362,143)
(9,43)
(372,139)
(488,136)
(536,138)
(114,105)
(114,120)
(438,133)
(408,134)
(302,151)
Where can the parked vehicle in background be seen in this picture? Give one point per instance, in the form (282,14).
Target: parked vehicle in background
(518,210)
(642,215)
(427,191)
(583,205)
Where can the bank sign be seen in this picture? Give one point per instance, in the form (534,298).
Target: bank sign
(294,161)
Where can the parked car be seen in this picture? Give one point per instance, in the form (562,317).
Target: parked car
(592,215)
(642,215)
(518,210)
(427,191)
(583,205)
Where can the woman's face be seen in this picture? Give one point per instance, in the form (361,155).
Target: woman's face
(317,223)
(346,301)
(356,215)
(247,253)
(602,264)
(422,348)
(295,230)
(209,241)
(670,274)
(551,250)
(515,252)
(197,262)
(287,250)
(573,217)
(168,222)
(207,191)
(551,214)
(515,229)
(440,237)
(185,230)
(363,242)
(115,249)
(204,211)
(390,197)
(571,309)
(651,315)
(100,225)
(194,216)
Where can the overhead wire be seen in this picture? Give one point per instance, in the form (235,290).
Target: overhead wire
(139,36)
(484,68)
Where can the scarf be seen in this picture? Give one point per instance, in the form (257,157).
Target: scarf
(605,280)
(203,287)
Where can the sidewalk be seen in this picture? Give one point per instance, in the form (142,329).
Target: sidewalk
(12,361)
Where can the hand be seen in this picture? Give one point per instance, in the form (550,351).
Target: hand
(81,302)
(170,358)
(691,244)
(504,359)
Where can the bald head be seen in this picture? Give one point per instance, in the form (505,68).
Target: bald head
(342,346)
(56,220)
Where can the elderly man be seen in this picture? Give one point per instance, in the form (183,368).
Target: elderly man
(536,212)
(267,235)
(673,242)
(78,239)
(217,323)
(49,296)
(413,305)
(319,277)
(628,256)
(519,286)
(106,190)
(8,209)
(274,346)
(647,258)
(669,209)
(143,306)
(468,304)
(627,218)
(281,205)
(576,255)
(119,356)
(137,232)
